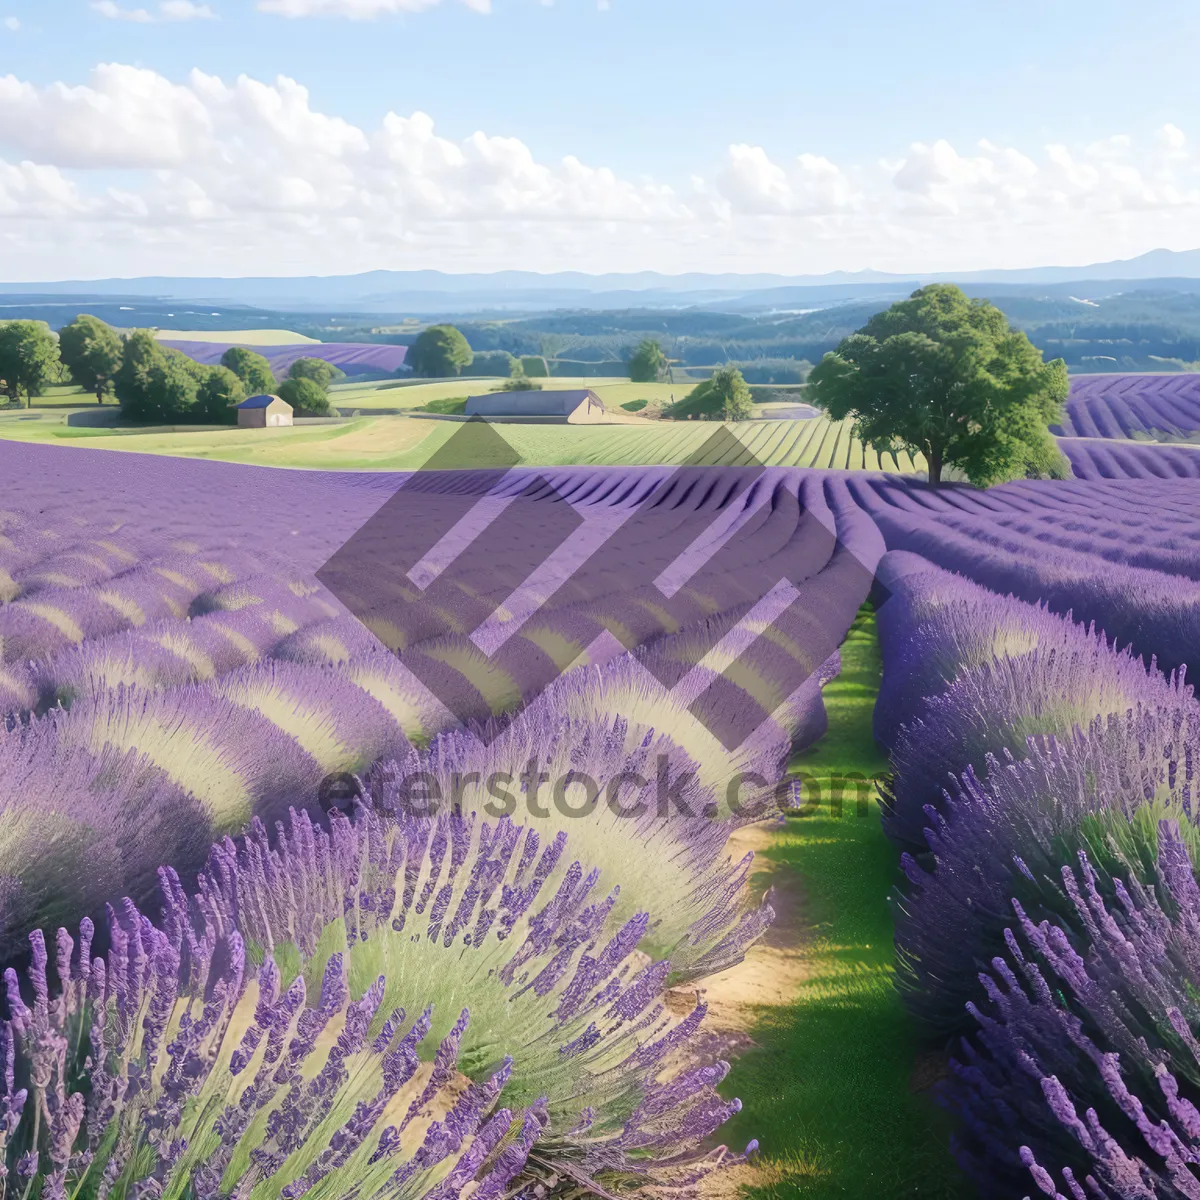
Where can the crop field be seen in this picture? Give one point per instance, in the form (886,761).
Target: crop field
(237,337)
(355,358)
(390,394)
(954,725)
(1146,407)
(398,443)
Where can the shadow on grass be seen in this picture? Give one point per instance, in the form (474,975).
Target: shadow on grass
(828,1088)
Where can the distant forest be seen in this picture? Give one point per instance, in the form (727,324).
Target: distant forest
(1138,330)
(1146,329)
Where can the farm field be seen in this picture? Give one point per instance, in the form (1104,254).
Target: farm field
(355,358)
(407,395)
(396,443)
(983,956)
(1145,407)
(237,337)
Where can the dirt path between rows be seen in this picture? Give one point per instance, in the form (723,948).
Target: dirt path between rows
(770,976)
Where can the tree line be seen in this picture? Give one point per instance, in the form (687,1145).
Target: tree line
(151,382)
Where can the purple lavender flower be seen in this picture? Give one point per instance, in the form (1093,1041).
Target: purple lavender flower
(497,918)
(1084,1072)
(1064,682)
(1005,833)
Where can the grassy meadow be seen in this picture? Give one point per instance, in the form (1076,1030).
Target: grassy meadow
(245,337)
(390,394)
(382,435)
(408,443)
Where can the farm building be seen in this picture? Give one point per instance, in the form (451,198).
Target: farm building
(260,411)
(581,407)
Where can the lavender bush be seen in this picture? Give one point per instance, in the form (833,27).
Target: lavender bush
(176,1065)
(1084,1074)
(1062,684)
(1009,828)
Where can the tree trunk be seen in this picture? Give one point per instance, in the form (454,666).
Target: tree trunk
(934,458)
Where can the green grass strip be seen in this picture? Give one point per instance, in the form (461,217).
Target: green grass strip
(828,1086)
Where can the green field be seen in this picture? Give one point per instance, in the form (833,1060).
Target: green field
(245,337)
(389,393)
(836,1086)
(65,395)
(408,443)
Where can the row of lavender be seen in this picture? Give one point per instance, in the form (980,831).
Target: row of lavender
(1043,795)
(386,1004)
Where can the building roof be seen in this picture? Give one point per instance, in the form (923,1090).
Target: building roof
(530,404)
(262,401)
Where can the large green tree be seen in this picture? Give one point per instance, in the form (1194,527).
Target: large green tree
(648,363)
(438,352)
(316,369)
(306,396)
(219,393)
(28,359)
(91,351)
(156,383)
(252,369)
(944,376)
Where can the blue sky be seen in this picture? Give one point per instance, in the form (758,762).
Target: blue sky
(760,135)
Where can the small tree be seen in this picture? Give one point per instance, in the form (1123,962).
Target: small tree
(316,369)
(947,377)
(648,363)
(28,359)
(306,396)
(252,369)
(439,351)
(91,351)
(219,393)
(732,394)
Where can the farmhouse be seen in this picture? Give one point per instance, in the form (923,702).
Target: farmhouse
(261,411)
(582,407)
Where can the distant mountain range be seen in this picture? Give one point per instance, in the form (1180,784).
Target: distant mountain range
(425,292)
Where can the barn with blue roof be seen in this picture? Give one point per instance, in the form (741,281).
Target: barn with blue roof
(262,411)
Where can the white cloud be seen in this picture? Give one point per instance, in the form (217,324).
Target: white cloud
(751,183)
(12,24)
(29,190)
(167,10)
(131,172)
(358,10)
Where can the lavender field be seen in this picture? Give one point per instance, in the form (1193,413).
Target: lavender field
(242,963)
(1151,407)
(355,358)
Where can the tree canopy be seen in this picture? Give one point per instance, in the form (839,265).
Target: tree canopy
(439,351)
(723,397)
(947,377)
(157,384)
(648,363)
(91,351)
(307,396)
(731,392)
(318,370)
(28,359)
(219,393)
(252,369)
